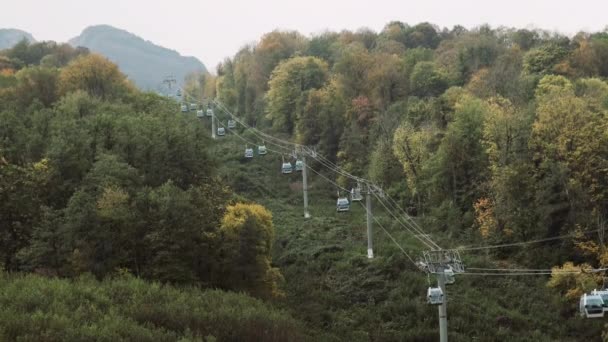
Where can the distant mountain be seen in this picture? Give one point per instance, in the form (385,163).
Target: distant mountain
(142,61)
(10,37)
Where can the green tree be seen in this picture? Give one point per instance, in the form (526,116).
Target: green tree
(37,83)
(458,169)
(427,80)
(561,145)
(543,59)
(21,196)
(413,147)
(511,190)
(289,87)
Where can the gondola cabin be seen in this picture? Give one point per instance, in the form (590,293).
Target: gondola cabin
(184,108)
(221,131)
(200,113)
(299,165)
(591,306)
(355,194)
(231,124)
(342,204)
(448,276)
(209,112)
(604,295)
(193,107)
(248,153)
(262,150)
(434,296)
(286,168)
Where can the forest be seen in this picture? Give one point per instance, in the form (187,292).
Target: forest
(488,136)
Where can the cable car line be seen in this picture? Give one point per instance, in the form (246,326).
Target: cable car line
(515,270)
(328,164)
(391,237)
(374,217)
(435,295)
(427,244)
(417,232)
(522,243)
(390,212)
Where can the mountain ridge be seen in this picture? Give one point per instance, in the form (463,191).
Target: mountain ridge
(11,36)
(143,61)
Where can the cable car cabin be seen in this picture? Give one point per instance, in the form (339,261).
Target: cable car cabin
(221,131)
(448,275)
(193,106)
(231,124)
(262,151)
(178,93)
(299,165)
(184,108)
(591,306)
(434,296)
(248,153)
(200,113)
(286,168)
(604,295)
(209,112)
(355,194)
(342,204)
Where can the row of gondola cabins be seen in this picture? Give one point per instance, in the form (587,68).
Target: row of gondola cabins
(342,203)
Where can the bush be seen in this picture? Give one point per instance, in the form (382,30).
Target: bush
(130,309)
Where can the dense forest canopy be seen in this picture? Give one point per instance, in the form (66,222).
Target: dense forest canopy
(486,136)
(496,130)
(98,177)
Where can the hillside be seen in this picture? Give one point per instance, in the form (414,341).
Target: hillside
(129,309)
(10,37)
(336,290)
(489,143)
(142,61)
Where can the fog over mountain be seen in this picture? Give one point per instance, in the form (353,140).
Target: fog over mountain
(10,37)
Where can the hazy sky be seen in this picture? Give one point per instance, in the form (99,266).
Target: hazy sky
(212,30)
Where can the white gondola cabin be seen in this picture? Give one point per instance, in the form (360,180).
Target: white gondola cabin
(200,113)
(248,152)
(591,306)
(184,108)
(286,168)
(342,204)
(434,296)
(193,107)
(299,165)
(221,131)
(355,194)
(262,151)
(231,124)
(209,112)
(604,295)
(448,276)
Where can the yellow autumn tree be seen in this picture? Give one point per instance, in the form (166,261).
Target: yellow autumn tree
(573,280)
(484,217)
(247,235)
(96,75)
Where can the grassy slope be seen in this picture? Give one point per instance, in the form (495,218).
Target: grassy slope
(129,309)
(344,296)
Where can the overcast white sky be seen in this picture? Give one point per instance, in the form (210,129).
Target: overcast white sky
(212,30)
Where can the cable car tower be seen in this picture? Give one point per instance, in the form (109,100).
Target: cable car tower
(444,263)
